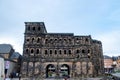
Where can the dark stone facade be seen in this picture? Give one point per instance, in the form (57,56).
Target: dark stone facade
(59,54)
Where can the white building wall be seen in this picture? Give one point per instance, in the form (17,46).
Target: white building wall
(10,66)
(2,69)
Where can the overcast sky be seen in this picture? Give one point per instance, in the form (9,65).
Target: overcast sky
(98,18)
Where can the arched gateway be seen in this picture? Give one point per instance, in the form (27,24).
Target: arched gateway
(50,71)
(64,70)
(57,71)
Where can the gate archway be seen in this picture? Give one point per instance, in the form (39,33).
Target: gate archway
(64,70)
(50,71)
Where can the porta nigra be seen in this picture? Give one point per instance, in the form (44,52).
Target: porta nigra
(51,55)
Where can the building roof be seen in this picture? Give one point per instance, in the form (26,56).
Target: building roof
(107,57)
(15,55)
(115,58)
(62,34)
(5,48)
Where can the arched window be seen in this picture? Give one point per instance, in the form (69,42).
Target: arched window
(83,51)
(60,52)
(50,51)
(33,40)
(46,40)
(69,51)
(28,28)
(32,50)
(27,40)
(38,28)
(26,50)
(86,39)
(65,51)
(65,40)
(55,39)
(88,51)
(33,28)
(77,38)
(70,40)
(46,52)
(37,51)
(38,40)
(55,51)
(77,51)
(60,39)
(51,40)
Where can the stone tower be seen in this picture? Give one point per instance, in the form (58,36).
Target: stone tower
(53,55)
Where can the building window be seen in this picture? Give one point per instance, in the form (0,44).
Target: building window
(46,52)
(60,52)
(60,40)
(88,51)
(77,38)
(28,28)
(65,40)
(38,28)
(27,40)
(51,40)
(69,51)
(64,51)
(26,50)
(50,51)
(86,39)
(55,51)
(55,40)
(37,51)
(46,40)
(38,40)
(33,28)
(33,40)
(77,51)
(32,50)
(70,41)
(83,51)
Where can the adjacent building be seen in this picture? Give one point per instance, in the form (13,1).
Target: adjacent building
(111,64)
(11,60)
(60,54)
(6,50)
(108,64)
(117,64)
